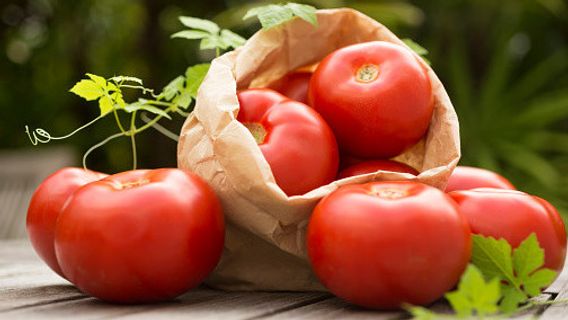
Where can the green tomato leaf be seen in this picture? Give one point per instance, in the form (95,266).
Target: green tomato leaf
(253,12)
(111,87)
(200,24)
(493,258)
(421,51)
(420,313)
(100,81)
(538,280)
(191,34)
(273,15)
(511,299)
(194,77)
(88,90)
(305,12)
(474,296)
(173,88)
(141,104)
(520,269)
(212,42)
(183,100)
(106,105)
(527,257)
(120,79)
(212,37)
(232,39)
(118,99)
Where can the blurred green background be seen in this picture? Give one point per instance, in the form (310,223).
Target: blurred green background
(504,64)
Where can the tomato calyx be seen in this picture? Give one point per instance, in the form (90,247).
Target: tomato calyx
(131,184)
(257,130)
(389,193)
(367,73)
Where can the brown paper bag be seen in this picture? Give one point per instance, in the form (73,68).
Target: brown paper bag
(265,247)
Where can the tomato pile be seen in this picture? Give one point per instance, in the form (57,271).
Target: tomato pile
(150,235)
(386,244)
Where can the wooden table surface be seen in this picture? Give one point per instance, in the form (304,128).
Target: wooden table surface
(30,290)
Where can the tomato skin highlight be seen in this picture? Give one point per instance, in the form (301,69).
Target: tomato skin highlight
(45,207)
(466,178)
(140,236)
(297,143)
(294,85)
(382,244)
(514,215)
(376,96)
(374,166)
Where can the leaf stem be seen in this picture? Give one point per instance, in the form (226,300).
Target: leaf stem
(144,90)
(121,134)
(102,143)
(183,114)
(133,140)
(149,124)
(118,120)
(159,103)
(33,136)
(160,128)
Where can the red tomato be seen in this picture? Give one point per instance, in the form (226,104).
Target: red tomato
(382,244)
(376,96)
(140,236)
(466,178)
(296,142)
(514,215)
(374,166)
(294,85)
(46,204)
(346,160)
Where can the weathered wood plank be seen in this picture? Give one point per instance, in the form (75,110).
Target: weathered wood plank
(21,171)
(537,311)
(31,283)
(560,283)
(334,308)
(559,291)
(197,304)
(558,311)
(29,289)
(17,251)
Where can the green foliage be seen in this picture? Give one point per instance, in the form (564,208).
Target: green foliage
(177,94)
(421,51)
(194,77)
(273,15)
(474,296)
(98,88)
(521,272)
(508,84)
(211,36)
(499,280)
